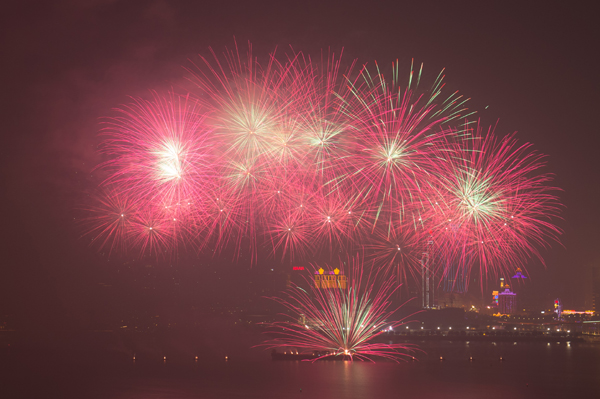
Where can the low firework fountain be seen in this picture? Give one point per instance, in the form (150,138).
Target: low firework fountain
(342,318)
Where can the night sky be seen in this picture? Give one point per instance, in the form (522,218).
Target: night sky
(66,64)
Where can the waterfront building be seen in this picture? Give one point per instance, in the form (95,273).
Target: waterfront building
(507,302)
(495,298)
(331,279)
(558,308)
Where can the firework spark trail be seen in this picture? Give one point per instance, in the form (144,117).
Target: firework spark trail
(399,246)
(399,137)
(324,126)
(308,157)
(342,322)
(110,220)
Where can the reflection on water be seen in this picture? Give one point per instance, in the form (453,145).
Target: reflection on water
(469,370)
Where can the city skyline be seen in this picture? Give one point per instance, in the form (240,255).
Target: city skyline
(61,82)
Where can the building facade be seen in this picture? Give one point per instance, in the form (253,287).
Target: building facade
(507,302)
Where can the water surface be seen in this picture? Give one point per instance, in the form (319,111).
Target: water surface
(528,370)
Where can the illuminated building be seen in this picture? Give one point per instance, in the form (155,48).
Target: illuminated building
(495,293)
(569,315)
(507,302)
(332,279)
(297,278)
(578,312)
(558,308)
(454,279)
(519,274)
(517,285)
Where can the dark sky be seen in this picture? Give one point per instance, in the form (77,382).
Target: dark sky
(65,64)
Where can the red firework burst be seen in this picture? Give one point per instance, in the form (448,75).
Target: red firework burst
(310,157)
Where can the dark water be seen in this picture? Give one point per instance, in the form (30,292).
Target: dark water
(527,371)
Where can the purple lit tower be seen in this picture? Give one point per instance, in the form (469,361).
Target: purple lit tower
(518,282)
(519,275)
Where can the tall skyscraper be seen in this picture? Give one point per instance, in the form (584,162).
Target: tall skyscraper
(596,289)
(427,276)
(454,279)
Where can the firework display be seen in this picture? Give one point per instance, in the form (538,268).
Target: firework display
(306,157)
(348,322)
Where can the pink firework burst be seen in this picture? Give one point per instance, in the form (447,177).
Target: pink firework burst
(310,157)
(495,207)
(161,162)
(159,150)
